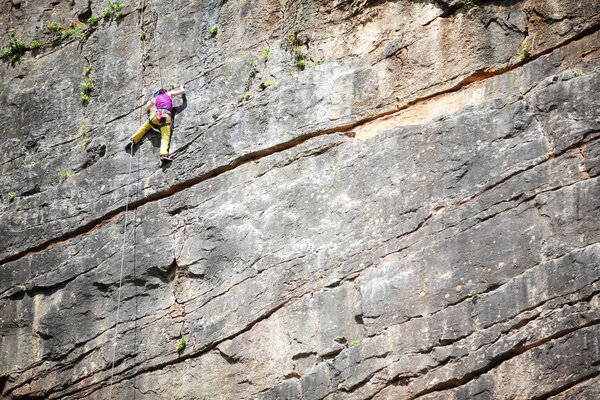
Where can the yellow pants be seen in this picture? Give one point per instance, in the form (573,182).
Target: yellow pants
(165,132)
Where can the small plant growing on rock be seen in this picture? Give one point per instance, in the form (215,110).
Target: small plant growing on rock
(35,44)
(11,196)
(143,35)
(92,21)
(110,154)
(474,293)
(245,96)
(252,64)
(576,73)
(290,40)
(468,4)
(353,343)
(265,54)
(525,51)
(181,345)
(66,33)
(114,8)
(267,83)
(83,130)
(212,31)
(86,85)
(54,27)
(15,48)
(71,3)
(64,174)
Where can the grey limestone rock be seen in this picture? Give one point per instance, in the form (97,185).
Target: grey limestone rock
(410,214)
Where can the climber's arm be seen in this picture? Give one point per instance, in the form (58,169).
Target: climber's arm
(179,92)
(149,104)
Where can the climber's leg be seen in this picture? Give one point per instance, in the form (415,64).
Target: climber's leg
(165,136)
(144,129)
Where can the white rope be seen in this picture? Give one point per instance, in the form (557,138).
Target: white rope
(156,47)
(120,279)
(115,340)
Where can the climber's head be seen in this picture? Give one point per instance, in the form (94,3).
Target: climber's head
(158,91)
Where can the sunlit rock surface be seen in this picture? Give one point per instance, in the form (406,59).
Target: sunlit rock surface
(411,214)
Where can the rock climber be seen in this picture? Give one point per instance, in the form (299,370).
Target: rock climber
(160,119)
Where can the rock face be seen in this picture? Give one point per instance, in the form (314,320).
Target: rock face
(369,200)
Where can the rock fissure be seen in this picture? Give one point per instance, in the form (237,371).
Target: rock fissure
(116,213)
(496,361)
(568,386)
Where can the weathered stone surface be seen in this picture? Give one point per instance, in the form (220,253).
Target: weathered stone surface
(413,217)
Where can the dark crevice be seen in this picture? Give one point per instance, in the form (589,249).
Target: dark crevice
(367,379)
(291,375)
(303,355)
(31,192)
(359,319)
(230,360)
(166,275)
(19,292)
(567,386)
(331,354)
(171,271)
(179,210)
(102,287)
(3,380)
(43,336)
(522,323)
(447,11)
(514,351)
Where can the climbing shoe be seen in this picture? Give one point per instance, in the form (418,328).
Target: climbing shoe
(129,145)
(165,159)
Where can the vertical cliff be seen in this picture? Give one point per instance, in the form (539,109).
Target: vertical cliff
(370,199)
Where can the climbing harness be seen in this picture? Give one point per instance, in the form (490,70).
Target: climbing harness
(160,118)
